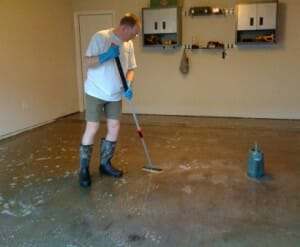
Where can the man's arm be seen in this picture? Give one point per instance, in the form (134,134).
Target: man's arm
(111,53)
(92,61)
(128,94)
(130,75)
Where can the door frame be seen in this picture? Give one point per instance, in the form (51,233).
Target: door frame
(78,54)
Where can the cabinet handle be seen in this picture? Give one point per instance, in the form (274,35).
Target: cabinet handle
(164,25)
(261,21)
(251,21)
(155,25)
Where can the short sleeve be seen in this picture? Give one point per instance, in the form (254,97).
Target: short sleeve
(131,61)
(95,46)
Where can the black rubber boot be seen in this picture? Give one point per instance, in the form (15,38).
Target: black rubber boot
(107,149)
(85,157)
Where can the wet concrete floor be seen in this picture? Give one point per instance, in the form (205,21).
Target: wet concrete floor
(203,197)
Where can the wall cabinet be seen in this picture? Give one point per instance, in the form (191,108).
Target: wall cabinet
(162,26)
(256,23)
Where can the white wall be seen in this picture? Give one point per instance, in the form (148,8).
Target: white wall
(258,82)
(37,65)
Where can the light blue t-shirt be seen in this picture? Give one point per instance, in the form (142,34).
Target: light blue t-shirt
(103,81)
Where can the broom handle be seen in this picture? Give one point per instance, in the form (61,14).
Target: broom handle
(139,130)
(121,72)
(140,133)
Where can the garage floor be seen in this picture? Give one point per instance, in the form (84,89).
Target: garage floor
(203,197)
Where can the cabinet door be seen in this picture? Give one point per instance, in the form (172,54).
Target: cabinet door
(151,21)
(246,19)
(168,20)
(160,20)
(266,16)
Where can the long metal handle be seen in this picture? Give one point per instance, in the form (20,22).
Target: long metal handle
(139,130)
(140,133)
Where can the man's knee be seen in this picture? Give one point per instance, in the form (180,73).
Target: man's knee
(113,125)
(91,128)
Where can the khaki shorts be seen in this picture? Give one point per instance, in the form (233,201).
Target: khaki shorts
(97,108)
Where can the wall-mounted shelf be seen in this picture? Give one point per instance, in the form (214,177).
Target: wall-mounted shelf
(207,10)
(206,48)
(161,27)
(219,49)
(256,23)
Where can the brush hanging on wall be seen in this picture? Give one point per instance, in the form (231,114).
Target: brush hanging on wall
(184,63)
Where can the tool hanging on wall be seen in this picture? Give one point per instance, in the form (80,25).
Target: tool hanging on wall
(185,63)
(148,167)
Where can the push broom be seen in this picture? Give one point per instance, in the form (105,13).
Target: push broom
(148,167)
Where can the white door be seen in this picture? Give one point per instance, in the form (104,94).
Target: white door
(86,24)
(266,16)
(246,19)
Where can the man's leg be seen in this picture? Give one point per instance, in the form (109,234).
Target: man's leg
(113,128)
(108,145)
(91,129)
(94,108)
(86,149)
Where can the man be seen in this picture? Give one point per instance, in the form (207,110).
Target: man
(103,92)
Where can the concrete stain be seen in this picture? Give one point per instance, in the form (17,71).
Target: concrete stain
(187,189)
(135,238)
(15,208)
(202,198)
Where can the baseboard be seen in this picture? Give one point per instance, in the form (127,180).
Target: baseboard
(25,129)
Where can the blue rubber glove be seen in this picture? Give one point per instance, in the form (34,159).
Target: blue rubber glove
(128,94)
(111,53)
